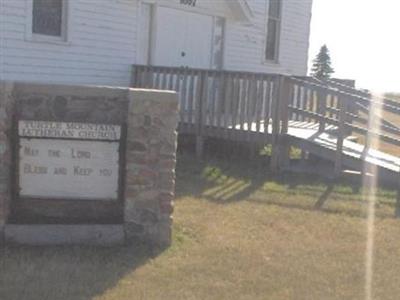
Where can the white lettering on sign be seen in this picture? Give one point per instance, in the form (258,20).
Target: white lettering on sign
(65,130)
(60,169)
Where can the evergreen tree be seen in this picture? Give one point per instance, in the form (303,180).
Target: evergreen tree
(322,68)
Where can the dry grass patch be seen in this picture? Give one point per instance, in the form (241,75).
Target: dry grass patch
(239,233)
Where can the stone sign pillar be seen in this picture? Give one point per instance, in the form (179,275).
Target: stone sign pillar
(6,111)
(86,165)
(150,169)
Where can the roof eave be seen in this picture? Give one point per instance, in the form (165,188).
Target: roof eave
(241,10)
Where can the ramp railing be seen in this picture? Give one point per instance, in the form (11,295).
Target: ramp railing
(346,113)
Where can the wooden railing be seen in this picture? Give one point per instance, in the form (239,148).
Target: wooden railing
(347,112)
(356,106)
(258,107)
(213,103)
(366,94)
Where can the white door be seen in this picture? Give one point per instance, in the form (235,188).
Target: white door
(182,39)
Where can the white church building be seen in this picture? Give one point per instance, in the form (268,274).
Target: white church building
(96,42)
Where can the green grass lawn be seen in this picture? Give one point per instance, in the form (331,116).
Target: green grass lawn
(239,233)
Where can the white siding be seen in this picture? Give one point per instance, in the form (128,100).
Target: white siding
(245,45)
(100,47)
(102,41)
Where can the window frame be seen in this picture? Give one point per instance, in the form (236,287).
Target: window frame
(37,37)
(278,21)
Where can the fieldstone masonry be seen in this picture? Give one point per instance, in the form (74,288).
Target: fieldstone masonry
(150,170)
(6,109)
(149,147)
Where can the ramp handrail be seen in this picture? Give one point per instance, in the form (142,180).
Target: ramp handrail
(347,111)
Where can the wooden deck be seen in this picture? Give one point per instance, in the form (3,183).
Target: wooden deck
(307,136)
(281,111)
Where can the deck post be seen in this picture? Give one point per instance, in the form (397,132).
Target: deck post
(397,212)
(275,126)
(280,147)
(322,110)
(285,99)
(367,142)
(340,136)
(135,76)
(199,118)
(252,100)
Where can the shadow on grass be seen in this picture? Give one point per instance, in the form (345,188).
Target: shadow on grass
(73,273)
(226,180)
(324,197)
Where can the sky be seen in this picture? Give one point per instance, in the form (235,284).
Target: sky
(363,37)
